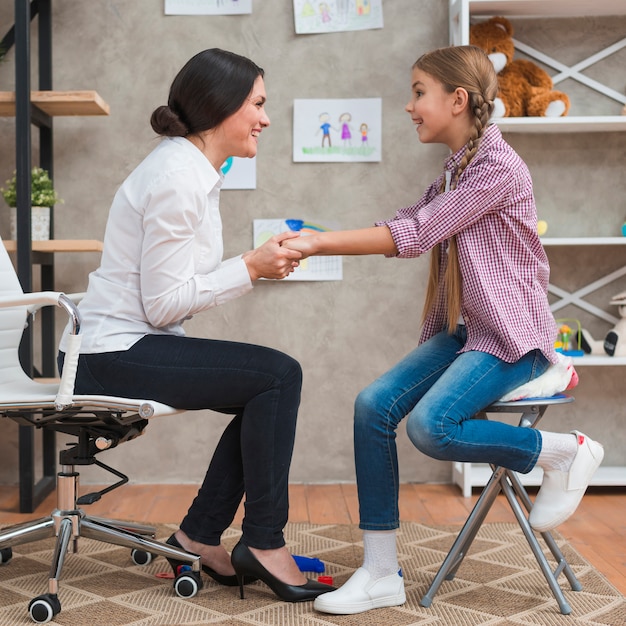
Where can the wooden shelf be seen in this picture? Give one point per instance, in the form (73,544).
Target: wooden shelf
(59,245)
(57,103)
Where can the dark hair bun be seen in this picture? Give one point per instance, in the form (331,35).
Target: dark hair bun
(167,123)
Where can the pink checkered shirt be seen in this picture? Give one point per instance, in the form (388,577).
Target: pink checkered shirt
(503,264)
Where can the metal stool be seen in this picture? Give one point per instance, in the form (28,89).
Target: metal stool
(507,481)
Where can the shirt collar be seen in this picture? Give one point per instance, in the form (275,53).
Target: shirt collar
(213,178)
(492,133)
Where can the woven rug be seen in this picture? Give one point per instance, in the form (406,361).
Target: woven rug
(499,583)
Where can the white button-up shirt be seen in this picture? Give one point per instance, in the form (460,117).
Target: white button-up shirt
(162,258)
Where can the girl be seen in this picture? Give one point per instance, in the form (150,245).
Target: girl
(487,324)
(162,263)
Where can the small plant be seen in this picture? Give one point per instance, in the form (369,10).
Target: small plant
(42,191)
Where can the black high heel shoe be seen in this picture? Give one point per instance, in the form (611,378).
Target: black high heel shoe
(222,579)
(246,564)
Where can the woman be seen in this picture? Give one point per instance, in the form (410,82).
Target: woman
(161,264)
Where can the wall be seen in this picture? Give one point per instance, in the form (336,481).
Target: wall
(344,333)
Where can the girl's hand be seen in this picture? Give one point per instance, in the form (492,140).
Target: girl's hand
(303,244)
(272,259)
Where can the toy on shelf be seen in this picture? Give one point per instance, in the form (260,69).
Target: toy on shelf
(565,337)
(525,89)
(614,343)
(542,227)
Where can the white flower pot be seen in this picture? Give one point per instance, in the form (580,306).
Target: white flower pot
(39,222)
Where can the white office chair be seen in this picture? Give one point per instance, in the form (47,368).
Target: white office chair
(98,423)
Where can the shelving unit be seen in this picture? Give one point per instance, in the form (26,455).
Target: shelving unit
(462,14)
(37,108)
(55,103)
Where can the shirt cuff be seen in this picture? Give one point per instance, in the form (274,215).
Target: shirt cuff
(405,236)
(231,280)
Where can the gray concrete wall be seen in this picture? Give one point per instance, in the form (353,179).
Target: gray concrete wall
(344,333)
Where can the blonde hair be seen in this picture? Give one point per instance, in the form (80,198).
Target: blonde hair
(467,67)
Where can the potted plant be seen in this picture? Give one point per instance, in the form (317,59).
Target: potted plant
(43,196)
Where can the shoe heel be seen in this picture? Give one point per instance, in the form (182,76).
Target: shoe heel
(240,581)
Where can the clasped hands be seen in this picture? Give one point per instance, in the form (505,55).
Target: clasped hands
(277,257)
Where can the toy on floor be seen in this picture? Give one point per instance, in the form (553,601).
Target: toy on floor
(614,343)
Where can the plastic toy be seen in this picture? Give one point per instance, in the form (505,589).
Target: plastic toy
(564,340)
(614,343)
(309,564)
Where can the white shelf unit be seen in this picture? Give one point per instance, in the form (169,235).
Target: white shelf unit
(577,297)
(462,13)
(468,475)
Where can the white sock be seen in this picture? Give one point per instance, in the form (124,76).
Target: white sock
(558,451)
(380,557)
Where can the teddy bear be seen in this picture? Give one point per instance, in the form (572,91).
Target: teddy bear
(524,89)
(614,343)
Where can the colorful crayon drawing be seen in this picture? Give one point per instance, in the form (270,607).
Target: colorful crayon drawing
(208,7)
(327,16)
(309,124)
(311,269)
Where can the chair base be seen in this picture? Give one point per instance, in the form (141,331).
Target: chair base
(508,482)
(68,523)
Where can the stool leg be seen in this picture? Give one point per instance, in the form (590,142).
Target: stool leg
(509,492)
(563,565)
(464,539)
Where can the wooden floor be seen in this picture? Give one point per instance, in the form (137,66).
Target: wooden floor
(597,530)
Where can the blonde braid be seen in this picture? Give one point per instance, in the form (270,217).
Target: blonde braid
(474,72)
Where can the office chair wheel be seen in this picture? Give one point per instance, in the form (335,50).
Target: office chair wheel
(6,554)
(141,557)
(187,584)
(43,608)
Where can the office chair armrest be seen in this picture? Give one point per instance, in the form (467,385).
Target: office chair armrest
(74,297)
(36,299)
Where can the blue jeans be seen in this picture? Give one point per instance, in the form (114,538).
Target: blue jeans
(259,386)
(438,390)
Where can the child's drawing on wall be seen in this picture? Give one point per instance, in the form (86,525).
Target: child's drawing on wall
(325,128)
(343,6)
(309,123)
(325,16)
(363,128)
(325,12)
(363,7)
(208,7)
(346,129)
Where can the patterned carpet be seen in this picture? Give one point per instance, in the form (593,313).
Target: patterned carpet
(498,584)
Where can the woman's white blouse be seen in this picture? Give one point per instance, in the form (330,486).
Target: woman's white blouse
(162,258)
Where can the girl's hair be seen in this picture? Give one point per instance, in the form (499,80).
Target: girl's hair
(467,67)
(210,87)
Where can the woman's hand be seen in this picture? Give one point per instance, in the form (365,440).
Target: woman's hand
(272,259)
(305,244)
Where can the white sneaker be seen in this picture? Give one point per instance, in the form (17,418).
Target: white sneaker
(561,492)
(362,593)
